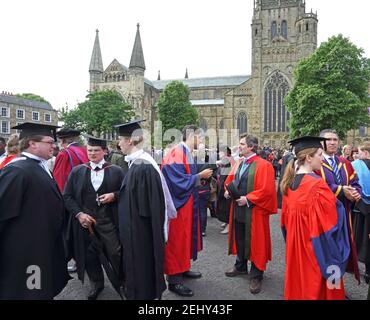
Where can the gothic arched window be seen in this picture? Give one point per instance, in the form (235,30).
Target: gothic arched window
(203,124)
(284,29)
(242,123)
(275,114)
(273,30)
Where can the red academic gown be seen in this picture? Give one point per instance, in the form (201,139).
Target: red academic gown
(314,226)
(184,240)
(65,161)
(264,198)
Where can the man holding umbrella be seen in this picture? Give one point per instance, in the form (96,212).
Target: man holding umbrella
(91,198)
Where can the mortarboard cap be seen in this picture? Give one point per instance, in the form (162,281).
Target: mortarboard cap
(66,132)
(95,142)
(307,142)
(29,129)
(127,129)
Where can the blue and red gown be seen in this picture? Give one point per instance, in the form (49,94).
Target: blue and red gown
(349,178)
(314,225)
(184,240)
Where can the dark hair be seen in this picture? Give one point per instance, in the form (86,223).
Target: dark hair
(189,130)
(2,141)
(251,140)
(325,131)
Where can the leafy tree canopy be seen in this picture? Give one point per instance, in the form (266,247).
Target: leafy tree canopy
(99,113)
(31,96)
(174,107)
(330,90)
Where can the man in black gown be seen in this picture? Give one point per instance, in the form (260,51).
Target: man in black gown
(142,212)
(91,196)
(32,257)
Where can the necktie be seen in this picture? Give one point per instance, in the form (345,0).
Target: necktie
(334,166)
(243,168)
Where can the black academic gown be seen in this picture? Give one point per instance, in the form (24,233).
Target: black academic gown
(141,218)
(31,219)
(73,195)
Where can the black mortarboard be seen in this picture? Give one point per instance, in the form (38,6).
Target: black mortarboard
(95,142)
(29,129)
(307,142)
(127,129)
(66,132)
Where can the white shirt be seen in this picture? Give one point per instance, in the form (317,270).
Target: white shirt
(327,158)
(133,156)
(43,163)
(97,177)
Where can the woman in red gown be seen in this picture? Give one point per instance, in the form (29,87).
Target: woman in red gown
(314,226)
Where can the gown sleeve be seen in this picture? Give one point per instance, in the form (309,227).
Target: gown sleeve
(328,231)
(180,183)
(13,184)
(264,192)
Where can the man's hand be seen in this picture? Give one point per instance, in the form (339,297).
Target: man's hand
(242,201)
(227,195)
(356,195)
(85,220)
(351,193)
(106,198)
(205,174)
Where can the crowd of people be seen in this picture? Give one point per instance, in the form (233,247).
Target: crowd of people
(141,216)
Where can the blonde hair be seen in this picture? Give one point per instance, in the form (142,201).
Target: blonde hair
(13,144)
(290,171)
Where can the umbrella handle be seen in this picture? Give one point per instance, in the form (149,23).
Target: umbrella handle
(91,230)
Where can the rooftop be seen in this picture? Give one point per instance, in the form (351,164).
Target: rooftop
(229,81)
(25,102)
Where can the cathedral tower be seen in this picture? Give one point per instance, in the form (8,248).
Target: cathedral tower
(282,34)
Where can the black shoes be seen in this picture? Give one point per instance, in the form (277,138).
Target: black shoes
(255,286)
(181,290)
(192,274)
(94,292)
(233,272)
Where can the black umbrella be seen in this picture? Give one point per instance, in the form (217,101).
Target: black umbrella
(111,274)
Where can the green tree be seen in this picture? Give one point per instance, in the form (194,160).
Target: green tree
(99,113)
(330,90)
(174,107)
(31,96)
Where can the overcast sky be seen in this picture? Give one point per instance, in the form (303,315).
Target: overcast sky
(46,45)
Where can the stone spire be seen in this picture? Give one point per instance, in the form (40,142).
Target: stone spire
(186,74)
(159,75)
(96,63)
(137,57)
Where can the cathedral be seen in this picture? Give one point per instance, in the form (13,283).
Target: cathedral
(282,34)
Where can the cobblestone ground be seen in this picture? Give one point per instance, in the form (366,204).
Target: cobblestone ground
(214,285)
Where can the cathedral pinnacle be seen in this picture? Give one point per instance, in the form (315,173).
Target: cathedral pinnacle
(96,63)
(137,57)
